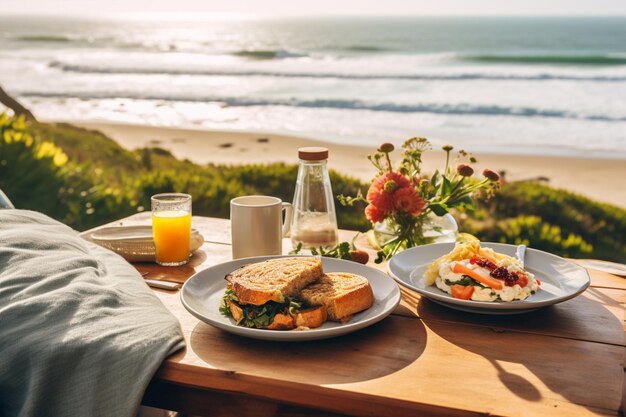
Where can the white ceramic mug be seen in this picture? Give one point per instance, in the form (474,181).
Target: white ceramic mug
(257,226)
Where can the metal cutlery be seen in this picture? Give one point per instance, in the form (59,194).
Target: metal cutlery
(164,285)
(520,252)
(156,283)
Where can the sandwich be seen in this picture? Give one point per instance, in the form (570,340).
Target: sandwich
(288,293)
(341,293)
(264,295)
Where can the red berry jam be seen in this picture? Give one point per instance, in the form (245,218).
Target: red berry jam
(500,273)
(475,260)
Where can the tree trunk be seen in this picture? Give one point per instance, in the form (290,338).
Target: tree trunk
(14,105)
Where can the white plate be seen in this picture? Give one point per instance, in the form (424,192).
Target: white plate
(202,293)
(560,279)
(134,243)
(123,233)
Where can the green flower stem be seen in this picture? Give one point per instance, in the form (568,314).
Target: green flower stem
(474,187)
(397,246)
(463,192)
(457,185)
(409,233)
(389,165)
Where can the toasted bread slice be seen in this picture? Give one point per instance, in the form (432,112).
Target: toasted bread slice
(282,322)
(275,279)
(312,317)
(342,294)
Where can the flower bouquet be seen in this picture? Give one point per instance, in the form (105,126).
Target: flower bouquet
(404,198)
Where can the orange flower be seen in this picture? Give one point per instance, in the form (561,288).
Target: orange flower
(374,214)
(408,200)
(400,180)
(380,198)
(392,191)
(380,193)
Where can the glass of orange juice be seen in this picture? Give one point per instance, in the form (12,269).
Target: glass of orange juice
(171,228)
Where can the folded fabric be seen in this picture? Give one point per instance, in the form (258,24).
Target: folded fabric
(81,334)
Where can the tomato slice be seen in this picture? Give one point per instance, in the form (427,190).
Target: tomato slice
(522,281)
(462,292)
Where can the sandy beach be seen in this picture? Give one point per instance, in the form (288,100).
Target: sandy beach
(599,179)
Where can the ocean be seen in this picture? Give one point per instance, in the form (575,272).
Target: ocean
(541,85)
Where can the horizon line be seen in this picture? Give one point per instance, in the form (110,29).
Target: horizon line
(253,16)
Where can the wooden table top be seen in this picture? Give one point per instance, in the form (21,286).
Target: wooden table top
(424,359)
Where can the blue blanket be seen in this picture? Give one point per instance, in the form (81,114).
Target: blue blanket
(80,332)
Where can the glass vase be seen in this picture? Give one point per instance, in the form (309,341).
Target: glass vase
(435,229)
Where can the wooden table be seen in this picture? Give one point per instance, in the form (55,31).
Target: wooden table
(424,359)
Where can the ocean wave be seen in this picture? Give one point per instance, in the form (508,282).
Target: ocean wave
(262,54)
(97,42)
(605,59)
(453,109)
(45,38)
(81,68)
(361,48)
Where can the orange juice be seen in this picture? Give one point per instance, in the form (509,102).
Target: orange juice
(171,230)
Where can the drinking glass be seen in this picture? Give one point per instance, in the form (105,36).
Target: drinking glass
(171,228)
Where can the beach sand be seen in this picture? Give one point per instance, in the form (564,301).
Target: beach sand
(599,179)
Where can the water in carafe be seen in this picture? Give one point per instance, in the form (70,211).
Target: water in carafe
(314,221)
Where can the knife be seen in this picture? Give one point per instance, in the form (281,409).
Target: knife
(521,253)
(164,285)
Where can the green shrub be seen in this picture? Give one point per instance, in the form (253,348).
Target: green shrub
(602,225)
(533,231)
(89,147)
(551,219)
(31,172)
(36,174)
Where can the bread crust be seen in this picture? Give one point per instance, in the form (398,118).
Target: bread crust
(282,322)
(275,279)
(312,317)
(342,294)
(252,296)
(355,301)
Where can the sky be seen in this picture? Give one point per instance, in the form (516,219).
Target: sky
(278,8)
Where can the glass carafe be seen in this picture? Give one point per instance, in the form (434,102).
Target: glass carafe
(314,222)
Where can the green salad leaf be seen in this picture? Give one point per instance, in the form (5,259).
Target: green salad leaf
(465,281)
(229,295)
(258,316)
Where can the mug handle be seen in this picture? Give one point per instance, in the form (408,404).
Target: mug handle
(288,214)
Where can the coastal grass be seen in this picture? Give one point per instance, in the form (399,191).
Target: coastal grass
(85,179)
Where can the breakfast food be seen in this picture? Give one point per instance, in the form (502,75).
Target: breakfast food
(470,272)
(262,294)
(289,293)
(342,294)
(274,280)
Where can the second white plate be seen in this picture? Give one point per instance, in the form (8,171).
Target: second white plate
(202,293)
